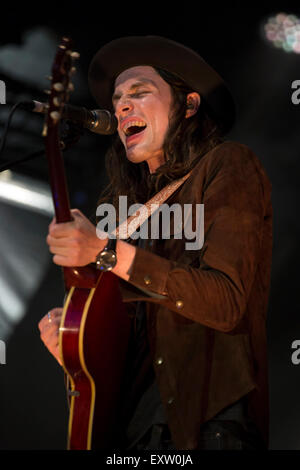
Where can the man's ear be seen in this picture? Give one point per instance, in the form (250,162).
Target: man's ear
(192,104)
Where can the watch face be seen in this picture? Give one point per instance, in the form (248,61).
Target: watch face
(106,260)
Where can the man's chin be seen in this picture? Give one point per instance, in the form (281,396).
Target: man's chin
(134,156)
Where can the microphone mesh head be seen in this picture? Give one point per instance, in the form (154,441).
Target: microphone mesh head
(106,123)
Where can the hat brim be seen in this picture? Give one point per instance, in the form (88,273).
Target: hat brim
(124,53)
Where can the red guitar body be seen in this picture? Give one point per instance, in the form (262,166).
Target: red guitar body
(95,326)
(93,341)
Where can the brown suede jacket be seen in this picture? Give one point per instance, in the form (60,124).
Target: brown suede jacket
(206,309)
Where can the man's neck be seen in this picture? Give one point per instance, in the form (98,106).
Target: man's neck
(155,163)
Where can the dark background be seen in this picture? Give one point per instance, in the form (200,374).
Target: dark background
(33,411)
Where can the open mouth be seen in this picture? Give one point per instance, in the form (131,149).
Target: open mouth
(133,128)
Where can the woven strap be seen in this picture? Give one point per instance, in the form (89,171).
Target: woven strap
(128,227)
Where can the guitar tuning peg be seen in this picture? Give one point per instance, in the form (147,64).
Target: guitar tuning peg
(47,92)
(71,87)
(75,55)
(73,70)
(49,77)
(55,116)
(58,86)
(45,130)
(56,101)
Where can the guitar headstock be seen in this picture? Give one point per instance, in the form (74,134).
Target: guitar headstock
(61,84)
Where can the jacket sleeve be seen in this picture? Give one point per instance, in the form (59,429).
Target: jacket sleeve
(216,293)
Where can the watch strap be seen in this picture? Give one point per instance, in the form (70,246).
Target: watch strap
(111,244)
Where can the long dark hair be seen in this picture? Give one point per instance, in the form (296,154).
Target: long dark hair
(186,141)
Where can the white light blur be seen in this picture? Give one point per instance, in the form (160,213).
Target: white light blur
(25,211)
(283,31)
(25,192)
(10,301)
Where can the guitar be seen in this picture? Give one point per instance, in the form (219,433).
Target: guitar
(95,326)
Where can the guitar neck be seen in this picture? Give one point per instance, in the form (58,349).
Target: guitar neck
(57,177)
(85,277)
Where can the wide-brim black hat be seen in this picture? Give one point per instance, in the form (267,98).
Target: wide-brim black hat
(126,52)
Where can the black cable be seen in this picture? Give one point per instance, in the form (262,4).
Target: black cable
(31,156)
(71,134)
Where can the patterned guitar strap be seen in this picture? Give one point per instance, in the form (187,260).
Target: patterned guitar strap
(129,226)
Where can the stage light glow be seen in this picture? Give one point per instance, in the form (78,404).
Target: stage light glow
(26,209)
(283,31)
(25,192)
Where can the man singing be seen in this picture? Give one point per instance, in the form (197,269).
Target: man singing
(197,373)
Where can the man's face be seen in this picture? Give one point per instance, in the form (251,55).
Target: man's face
(142,102)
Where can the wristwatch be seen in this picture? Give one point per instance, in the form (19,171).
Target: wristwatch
(106,260)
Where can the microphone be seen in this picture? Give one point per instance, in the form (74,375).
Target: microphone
(99,121)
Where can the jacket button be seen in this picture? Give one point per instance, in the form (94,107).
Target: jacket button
(159,361)
(147,280)
(179,303)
